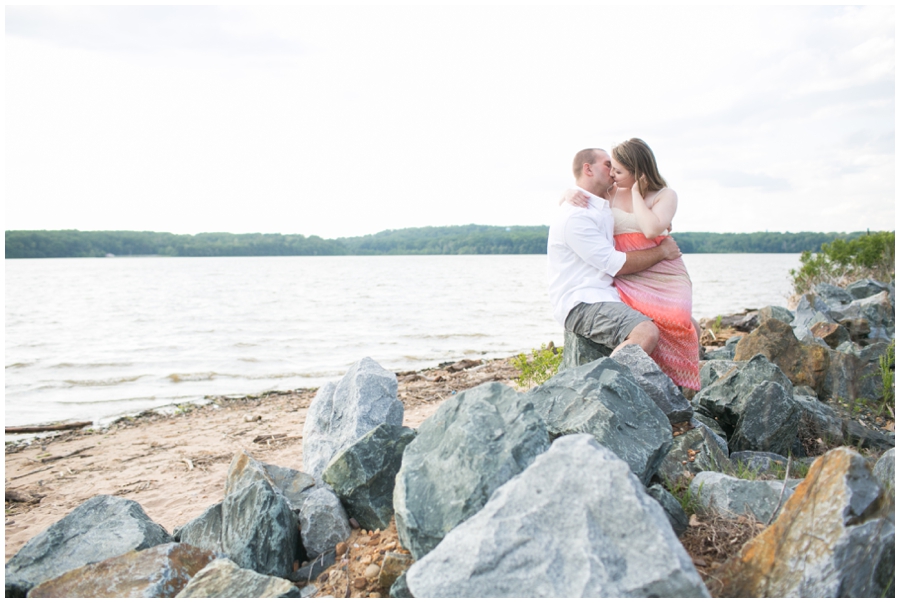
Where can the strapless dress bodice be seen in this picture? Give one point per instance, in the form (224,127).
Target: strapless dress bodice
(626,222)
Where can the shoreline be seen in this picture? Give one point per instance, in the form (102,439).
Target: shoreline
(175,465)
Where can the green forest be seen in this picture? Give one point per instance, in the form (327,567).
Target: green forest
(432,240)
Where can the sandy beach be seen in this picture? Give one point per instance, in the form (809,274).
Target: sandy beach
(175,466)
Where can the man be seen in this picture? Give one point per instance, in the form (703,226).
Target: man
(583,261)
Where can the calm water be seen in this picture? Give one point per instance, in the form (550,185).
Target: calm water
(97,338)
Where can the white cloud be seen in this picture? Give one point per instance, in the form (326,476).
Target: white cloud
(342,121)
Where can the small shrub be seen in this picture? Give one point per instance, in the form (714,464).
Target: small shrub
(886,368)
(843,261)
(544,364)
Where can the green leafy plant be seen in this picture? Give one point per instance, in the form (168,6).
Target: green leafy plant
(845,260)
(681,490)
(544,363)
(886,368)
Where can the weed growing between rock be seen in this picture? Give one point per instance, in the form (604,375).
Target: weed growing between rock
(544,364)
(711,539)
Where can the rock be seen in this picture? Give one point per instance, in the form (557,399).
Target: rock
(340,414)
(833,538)
(323,522)
(363,474)
(730,497)
(745,321)
(726,398)
(474,443)
(372,571)
(578,350)
(259,530)
(810,310)
(224,578)
(819,420)
(858,328)
(834,297)
(314,568)
(293,485)
(160,571)
(612,540)
(878,310)
(462,365)
(205,531)
(804,364)
(692,452)
(603,399)
(100,528)
(701,415)
(770,421)
(712,370)
(865,288)
(884,470)
(400,590)
(831,333)
(776,312)
(655,383)
(726,352)
(674,512)
(393,565)
(759,462)
(863,437)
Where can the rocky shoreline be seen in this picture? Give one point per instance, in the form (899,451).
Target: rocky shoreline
(459,476)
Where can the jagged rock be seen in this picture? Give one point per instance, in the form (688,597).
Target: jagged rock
(869,384)
(863,437)
(726,352)
(224,578)
(730,496)
(341,413)
(714,369)
(160,571)
(100,528)
(878,310)
(726,398)
(831,333)
(776,312)
(884,469)
(474,443)
(865,288)
(692,452)
(363,474)
(804,364)
(393,565)
(655,383)
(293,485)
(205,531)
(701,415)
(810,310)
(578,350)
(834,297)
(759,462)
(674,512)
(770,421)
(323,522)
(745,321)
(312,570)
(603,399)
(819,420)
(858,328)
(833,538)
(611,540)
(259,530)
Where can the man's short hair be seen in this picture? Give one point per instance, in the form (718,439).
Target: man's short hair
(583,156)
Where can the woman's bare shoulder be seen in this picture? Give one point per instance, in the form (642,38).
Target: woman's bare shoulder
(667,194)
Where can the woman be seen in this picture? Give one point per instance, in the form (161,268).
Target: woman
(643,207)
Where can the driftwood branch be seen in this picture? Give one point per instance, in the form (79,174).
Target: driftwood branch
(41,428)
(787,474)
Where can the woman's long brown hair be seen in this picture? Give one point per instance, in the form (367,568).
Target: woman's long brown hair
(635,156)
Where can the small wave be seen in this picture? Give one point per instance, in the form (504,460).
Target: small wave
(88,365)
(450,336)
(248,359)
(178,377)
(18,365)
(102,382)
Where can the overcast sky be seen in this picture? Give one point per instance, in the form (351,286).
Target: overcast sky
(345,121)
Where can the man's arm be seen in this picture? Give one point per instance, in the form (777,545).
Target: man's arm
(635,261)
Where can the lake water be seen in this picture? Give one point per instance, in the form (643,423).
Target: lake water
(96,338)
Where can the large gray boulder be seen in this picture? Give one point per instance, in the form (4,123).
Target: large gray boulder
(714,369)
(819,419)
(727,351)
(776,312)
(576,523)
(224,578)
(866,287)
(342,413)
(692,452)
(578,350)
(810,310)
(884,470)
(100,528)
(475,442)
(204,531)
(363,474)
(655,383)
(878,310)
(730,496)
(603,399)
(678,519)
(323,522)
(770,421)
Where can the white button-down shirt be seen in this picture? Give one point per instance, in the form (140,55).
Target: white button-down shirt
(582,258)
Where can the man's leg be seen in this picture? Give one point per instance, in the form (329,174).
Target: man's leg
(645,334)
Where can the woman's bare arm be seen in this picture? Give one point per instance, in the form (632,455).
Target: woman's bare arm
(654,221)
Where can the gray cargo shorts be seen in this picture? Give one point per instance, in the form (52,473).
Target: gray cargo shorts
(607,323)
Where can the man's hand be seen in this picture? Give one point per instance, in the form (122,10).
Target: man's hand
(670,249)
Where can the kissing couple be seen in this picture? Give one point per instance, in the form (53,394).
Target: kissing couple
(616,276)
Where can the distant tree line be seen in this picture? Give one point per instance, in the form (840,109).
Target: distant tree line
(432,240)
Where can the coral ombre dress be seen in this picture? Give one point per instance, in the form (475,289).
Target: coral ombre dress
(662,293)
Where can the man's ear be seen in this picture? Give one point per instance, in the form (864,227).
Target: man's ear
(587,169)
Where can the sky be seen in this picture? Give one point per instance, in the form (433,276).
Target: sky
(349,120)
